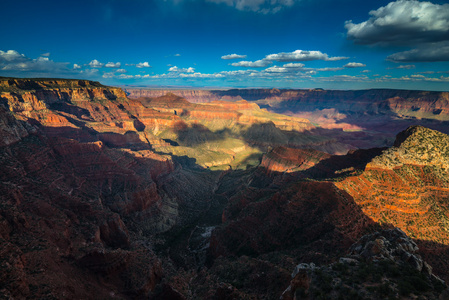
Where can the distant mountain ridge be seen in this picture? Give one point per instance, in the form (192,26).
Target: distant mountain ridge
(426,104)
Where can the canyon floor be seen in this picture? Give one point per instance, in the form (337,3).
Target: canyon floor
(239,194)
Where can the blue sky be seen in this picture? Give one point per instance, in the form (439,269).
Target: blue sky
(345,44)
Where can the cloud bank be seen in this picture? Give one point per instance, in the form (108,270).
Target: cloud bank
(302,55)
(15,63)
(404,22)
(423,26)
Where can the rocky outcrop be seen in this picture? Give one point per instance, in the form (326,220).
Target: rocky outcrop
(380,265)
(11,129)
(416,145)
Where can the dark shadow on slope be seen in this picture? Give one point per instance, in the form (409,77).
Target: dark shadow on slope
(171,142)
(339,166)
(282,212)
(79,112)
(196,135)
(301,219)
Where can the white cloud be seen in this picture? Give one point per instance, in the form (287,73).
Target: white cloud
(89,72)
(276,69)
(344,78)
(113,65)
(140,65)
(95,64)
(201,75)
(329,69)
(293,65)
(237,73)
(177,54)
(413,78)
(404,22)
(143,65)
(354,65)
(12,56)
(181,70)
(233,56)
(121,71)
(76,66)
(47,54)
(252,64)
(405,67)
(260,6)
(302,55)
(124,76)
(109,75)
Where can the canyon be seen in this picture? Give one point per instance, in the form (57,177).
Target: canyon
(238,194)
(368,118)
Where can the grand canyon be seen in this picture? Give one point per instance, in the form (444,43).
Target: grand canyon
(131,193)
